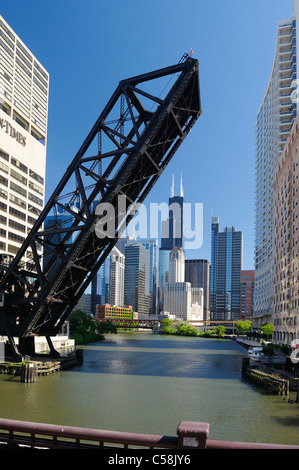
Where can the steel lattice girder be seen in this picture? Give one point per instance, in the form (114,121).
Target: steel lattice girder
(139,143)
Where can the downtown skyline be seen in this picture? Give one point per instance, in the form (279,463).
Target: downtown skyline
(136,278)
(217,159)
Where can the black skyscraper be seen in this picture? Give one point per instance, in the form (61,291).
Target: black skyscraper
(172,228)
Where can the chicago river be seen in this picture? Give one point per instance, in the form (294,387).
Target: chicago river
(146,383)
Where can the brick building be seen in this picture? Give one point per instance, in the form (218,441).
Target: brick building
(111,312)
(246,294)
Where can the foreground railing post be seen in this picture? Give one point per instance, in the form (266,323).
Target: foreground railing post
(193,435)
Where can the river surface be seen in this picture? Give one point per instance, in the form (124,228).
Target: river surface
(141,382)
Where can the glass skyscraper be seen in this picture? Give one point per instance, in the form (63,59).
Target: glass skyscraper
(275,117)
(61,219)
(163,276)
(226,265)
(151,244)
(137,269)
(214,233)
(100,286)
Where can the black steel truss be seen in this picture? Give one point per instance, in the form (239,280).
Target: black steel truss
(124,154)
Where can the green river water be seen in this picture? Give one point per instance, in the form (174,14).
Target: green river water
(141,382)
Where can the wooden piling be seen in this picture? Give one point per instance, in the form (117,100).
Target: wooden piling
(28,372)
(269,382)
(245,364)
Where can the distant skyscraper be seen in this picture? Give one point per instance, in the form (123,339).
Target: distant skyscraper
(181,300)
(177,300)
(226,268)
(172,229)
(247,291)
(117,278)
(176,271)
(274,121)
(163,275)
(84,304)
(137,269)
(61,219)
(100,286)
(122,242)
(214,233)
(197,272)
(151,244)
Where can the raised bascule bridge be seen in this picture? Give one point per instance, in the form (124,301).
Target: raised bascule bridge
(124,154)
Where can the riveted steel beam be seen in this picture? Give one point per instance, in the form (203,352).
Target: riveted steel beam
(139,133)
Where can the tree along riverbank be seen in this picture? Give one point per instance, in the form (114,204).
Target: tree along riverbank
(84,329)
(181,328)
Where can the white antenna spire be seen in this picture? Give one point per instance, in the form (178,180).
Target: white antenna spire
(181,189)
(172,187)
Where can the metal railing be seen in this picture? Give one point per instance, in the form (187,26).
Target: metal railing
(190,435)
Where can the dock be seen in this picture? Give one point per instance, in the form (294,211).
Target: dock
(270,382)
(30,369)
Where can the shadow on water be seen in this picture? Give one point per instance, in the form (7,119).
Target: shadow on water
(288,421)
(257,388)
(166,342)
(164,357)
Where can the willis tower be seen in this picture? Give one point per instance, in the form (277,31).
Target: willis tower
(172,228)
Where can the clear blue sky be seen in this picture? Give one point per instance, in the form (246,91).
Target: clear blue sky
(88,47)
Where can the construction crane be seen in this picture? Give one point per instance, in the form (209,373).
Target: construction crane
(124,154)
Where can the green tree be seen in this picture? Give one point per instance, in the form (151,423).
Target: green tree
(167,330)
(243,326)
(184,329)
(106,327)
(85,329)
(219,330)
(206,334)
(166,322)
(267,329)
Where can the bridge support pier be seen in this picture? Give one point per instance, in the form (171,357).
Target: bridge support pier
(14,351)
(53,353)
(27,348)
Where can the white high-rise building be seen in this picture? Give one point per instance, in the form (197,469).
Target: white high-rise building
(24,93)
(117,278)
(176,265)
(177,300)
(197,303)
(181,300)
(275,116)
(151,244)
